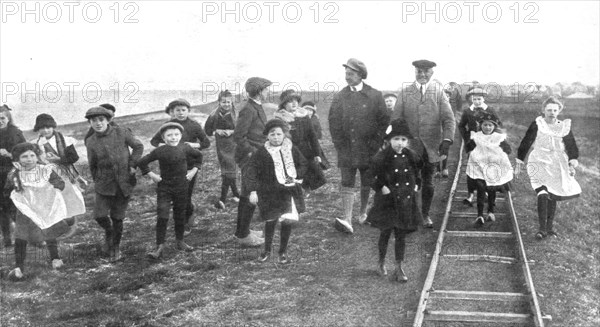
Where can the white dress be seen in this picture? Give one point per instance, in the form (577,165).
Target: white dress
(487,161)
(548,164)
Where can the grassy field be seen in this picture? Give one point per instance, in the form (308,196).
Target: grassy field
(331,280)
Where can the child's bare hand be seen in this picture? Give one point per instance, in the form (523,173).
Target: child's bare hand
(5,153)
(385,190)
(191,173)
(253,198)
(154,177)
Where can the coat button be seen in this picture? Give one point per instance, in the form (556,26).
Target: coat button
(403,156)
(408,197)
(397,184)
(407,184)
(405,170)
(395,156)
(396,170)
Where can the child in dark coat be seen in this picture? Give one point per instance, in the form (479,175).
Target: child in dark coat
(274,178)
(397,172)
(10,135)
(221,123)
(173,158)
(193,134)
(113,170)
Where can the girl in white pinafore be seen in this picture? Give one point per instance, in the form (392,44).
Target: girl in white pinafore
(551,164)
(488,167)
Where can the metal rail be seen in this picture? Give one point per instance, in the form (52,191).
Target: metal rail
(428,293)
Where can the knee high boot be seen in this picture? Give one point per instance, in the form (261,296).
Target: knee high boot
(384,238)
(542,206)
(348,203)
(105,223)
(551,212)
(364,198)
(118,232)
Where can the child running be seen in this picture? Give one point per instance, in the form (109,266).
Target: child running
(194,136)
(113,170)
(221,123)
(42,212)
(551,164)
(174,158)
(488,167)
(397,178)
(274,178)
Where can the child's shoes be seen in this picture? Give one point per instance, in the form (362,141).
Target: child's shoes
(540,235)
(235,199)
(491,216)
(115,254)
(381,270)
(445,173)
(552,234)
(157,253)
(264,256)
(283,258)
(187,230)
(220,205)
(467,202)
(182,246)
(398,275)
(15,274)
(57,263)
(479,221)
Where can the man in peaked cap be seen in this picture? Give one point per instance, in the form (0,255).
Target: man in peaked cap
(248,137)
(426,109)
(357,122)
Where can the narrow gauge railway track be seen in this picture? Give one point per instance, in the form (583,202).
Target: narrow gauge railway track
(444,303)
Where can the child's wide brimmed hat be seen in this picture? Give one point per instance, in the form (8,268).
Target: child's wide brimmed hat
(289,98)
(477,90)
(98,111)
(276,123)
(175,103)
(21,148)
(44,120)
(488,116)
(170,125)
(397,127)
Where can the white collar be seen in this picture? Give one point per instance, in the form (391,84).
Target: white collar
(425,86)
(257,101)
(483,106)
(358,86)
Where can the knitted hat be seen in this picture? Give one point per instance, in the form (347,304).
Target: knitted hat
(276,123)
(98,111)
(109,107)
(397,127)
(289,98)
(256,84)
(21,148)
(476,90)
(175,103)
(43,120)
(358,66)
(170,125)
(487,116)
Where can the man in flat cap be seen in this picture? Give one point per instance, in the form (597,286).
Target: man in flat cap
(425,106)
(357,122)
(248,137)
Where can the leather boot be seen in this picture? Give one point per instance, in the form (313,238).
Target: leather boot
(105,223)
(182,246)
(399,275)
(157,253)
(345,224)
(381,270)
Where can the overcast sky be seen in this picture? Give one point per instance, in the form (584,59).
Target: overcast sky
(185,44)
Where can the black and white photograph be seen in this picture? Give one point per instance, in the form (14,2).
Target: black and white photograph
(299,163)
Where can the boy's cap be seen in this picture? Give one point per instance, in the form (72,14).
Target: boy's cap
(487,116)
(423,64)
(477,90)
(275,123)
(109,107)
(44,120)
(21,148)
(175,103)
(255,84)
(170,125)
(397,127)
(98,111)
(357,66)
(390,95)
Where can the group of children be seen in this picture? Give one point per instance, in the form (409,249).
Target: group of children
(45,187)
